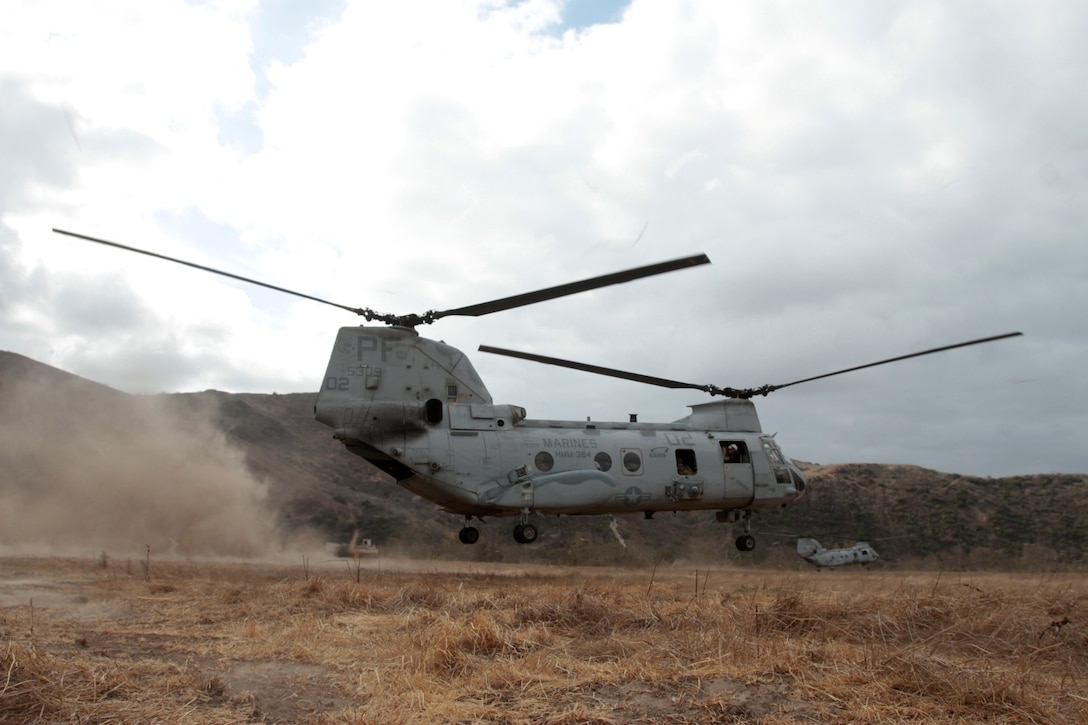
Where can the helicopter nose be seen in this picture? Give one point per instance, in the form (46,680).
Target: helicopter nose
(798,479)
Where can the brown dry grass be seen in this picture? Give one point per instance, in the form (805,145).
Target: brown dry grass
(219,643)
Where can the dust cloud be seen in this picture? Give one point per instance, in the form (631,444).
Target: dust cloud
(85,469)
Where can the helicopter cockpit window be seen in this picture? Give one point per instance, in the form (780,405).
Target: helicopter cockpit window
(685,462)
(773,453)
(778,463)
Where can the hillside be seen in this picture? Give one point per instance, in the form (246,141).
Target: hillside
(88,468)
(920,515)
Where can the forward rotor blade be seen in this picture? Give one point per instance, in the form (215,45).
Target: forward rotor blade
(611,372)
(893,359)
(551,293)
(201,267)
(742,393)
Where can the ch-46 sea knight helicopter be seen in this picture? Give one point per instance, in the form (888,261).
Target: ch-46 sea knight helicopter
(416,409)
(811,551)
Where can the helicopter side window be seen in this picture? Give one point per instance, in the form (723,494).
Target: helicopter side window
(433,410)
(685,462)
(602,461)
(735,452)
(544,461)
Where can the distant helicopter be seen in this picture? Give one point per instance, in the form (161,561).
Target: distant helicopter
(811,551)
(416,409)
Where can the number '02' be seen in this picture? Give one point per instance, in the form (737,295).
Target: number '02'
(336,384)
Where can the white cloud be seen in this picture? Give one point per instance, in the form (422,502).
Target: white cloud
(868,180)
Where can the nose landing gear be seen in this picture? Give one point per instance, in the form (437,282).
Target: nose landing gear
(744,542)
(525,533)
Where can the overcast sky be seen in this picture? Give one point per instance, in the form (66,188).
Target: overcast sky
(869,179)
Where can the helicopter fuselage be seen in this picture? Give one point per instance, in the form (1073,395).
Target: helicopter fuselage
(491,463)
(416,409)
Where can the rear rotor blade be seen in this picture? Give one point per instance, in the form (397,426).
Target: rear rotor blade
(551,293)
(412,320)
(201,267)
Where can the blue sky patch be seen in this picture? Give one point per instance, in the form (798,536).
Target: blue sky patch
(581,14)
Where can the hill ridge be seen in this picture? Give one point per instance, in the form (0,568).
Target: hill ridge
(915,516)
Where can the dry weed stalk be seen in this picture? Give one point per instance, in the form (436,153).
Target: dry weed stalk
(221,643)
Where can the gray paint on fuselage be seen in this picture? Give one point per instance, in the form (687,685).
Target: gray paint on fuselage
(573,483)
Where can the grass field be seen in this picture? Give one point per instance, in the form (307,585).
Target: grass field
(103,641)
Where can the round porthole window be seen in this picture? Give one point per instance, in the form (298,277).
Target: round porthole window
(632,461)
(603,461)
(544,461)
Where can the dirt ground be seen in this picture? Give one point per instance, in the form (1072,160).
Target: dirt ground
(382,641)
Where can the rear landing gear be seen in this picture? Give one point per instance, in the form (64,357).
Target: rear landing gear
(524,532)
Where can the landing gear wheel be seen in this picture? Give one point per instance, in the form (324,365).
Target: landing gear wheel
(746,542)
(525,533)
(469,535)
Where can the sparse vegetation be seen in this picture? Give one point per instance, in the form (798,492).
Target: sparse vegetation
(389,642)
(932,520)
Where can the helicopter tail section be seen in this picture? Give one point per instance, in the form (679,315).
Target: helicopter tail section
(379,377)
